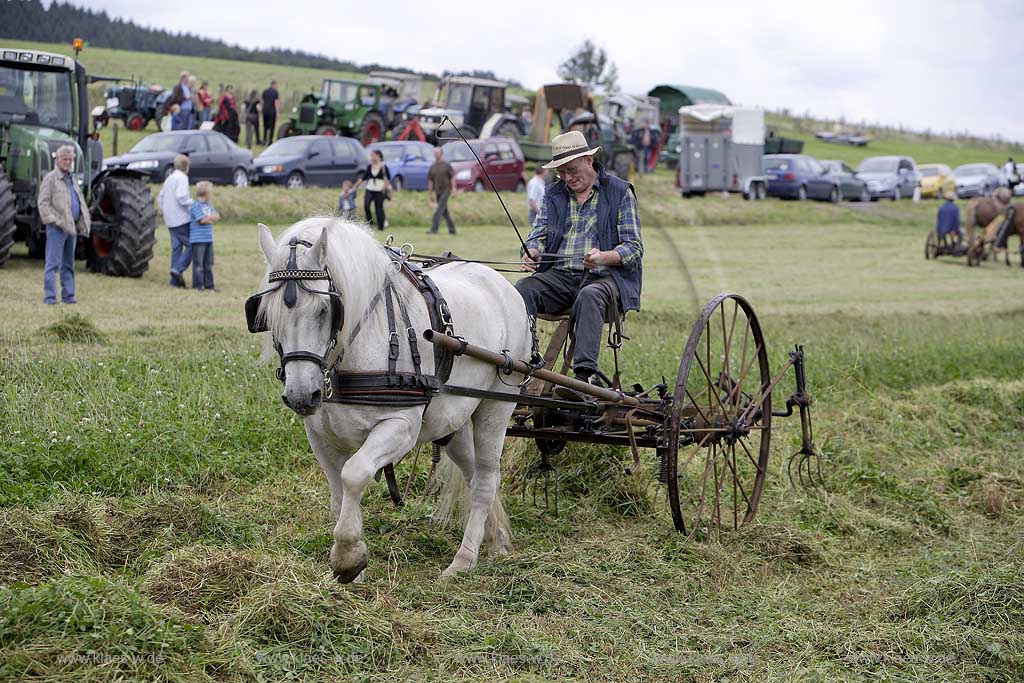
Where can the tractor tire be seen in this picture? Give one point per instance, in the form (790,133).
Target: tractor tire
(128,202)
(330,131)
(35,239)
(372,129)
(7,225)
(622,165)
(285,131)
(135,121)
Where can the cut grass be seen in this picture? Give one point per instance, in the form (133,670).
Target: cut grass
(156,500)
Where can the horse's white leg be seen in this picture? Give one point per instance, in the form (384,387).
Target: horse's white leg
(489,422)
(387,442)
(331,461)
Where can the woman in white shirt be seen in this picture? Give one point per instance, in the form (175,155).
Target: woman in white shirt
(377,178)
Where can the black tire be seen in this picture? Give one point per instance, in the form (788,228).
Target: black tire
(285,130)
(35,239)
(931,246)
(520,186)
(801,194)
(128,203)
(399,128)
(7,224)
(295,180)
(865,196)
(372,129)
(835,196)
(135,121)
(397,183)
(478,186)
(896,195)
(239,177)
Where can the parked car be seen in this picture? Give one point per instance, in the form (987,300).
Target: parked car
(894,177)
(408,162)
(798,176)
(936,180)
(501,156)
(302,160)
(213,157)
(977,180)
(1018,189)
(850,186)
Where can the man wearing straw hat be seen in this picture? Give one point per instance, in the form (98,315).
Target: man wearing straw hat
(585,250)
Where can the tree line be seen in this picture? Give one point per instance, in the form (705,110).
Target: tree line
(62,22)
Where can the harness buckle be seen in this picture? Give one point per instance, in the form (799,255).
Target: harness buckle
(328,385)
(446,318)
(393,346)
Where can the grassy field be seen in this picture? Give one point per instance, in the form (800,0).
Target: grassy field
(162,518)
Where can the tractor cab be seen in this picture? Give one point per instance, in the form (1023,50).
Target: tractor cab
(468,102)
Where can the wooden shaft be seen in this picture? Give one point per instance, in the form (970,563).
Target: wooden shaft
(498,360)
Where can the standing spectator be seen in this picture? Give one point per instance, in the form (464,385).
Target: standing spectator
(1010,171)
(440,181)
(378,181)
(201,236)
(271,108)
(527,118)
(205,103)
(175,205)
(227,114)
(535,191)
(646,143)
(252,118)
(167,120)
(182,96)
(347,201)
(63,211)
(193,117)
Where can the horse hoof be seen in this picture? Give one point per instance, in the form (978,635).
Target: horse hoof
(349,574)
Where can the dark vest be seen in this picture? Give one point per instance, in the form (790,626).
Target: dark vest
(610,193)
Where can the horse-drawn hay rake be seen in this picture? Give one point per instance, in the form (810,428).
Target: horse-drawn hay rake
(711,431)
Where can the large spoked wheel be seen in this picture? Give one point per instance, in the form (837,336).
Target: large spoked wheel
(719,432)
(931,246)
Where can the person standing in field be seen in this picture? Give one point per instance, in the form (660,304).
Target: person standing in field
(176,206)
(252,118)
(378,181)
(535,191)
(347,201)
(271,108)
(227,114)
(440,183)
(63,211)
(201,236)
(205,103)
(193,115)
(182,96)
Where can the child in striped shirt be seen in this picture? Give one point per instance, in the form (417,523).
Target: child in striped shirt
(201,236)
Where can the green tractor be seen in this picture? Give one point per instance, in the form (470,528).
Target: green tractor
(340,108)
(44,106)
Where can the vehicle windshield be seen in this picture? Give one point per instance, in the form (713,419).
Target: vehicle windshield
(42,98)
(391,153)
(776,164)
(832,166)
(159,143)
(459,151)
(971,169)
(338,91)
(286,147)
(459,95)
(877,165)
(928,171)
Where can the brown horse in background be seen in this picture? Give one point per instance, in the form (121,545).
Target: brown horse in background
(989,213)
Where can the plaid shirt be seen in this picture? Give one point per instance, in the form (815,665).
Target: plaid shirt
(581,232)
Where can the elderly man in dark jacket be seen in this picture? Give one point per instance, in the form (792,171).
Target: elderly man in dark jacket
(63,211)
(585,249)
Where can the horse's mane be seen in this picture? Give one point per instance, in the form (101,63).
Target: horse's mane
(356,262)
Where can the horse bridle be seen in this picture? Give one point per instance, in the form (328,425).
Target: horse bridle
(292,277)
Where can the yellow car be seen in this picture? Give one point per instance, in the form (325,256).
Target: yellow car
(936,179)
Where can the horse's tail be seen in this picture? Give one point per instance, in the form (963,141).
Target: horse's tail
(453,502)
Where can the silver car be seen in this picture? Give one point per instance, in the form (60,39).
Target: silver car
(893,177)
(977,180)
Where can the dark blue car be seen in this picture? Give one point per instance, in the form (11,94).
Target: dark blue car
(408,162)
(310,160)
(798,176)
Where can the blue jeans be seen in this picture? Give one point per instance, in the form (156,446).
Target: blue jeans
(60,255)
(181,250)
(202,265)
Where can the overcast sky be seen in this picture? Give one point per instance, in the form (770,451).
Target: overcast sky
(940,64)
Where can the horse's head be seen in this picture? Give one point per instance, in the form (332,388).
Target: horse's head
(302,311)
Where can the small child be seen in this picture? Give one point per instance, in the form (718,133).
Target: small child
(347,201)
(167,122)
(201,236)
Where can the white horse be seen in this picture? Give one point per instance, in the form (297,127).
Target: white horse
(353,442)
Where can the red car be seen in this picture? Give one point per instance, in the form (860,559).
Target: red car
(502,157)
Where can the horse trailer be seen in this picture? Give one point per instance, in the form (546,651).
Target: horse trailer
(720,150)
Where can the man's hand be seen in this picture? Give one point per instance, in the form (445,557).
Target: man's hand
(595,258)
(530,260)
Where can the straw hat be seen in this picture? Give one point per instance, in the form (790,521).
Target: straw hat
(569,146)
